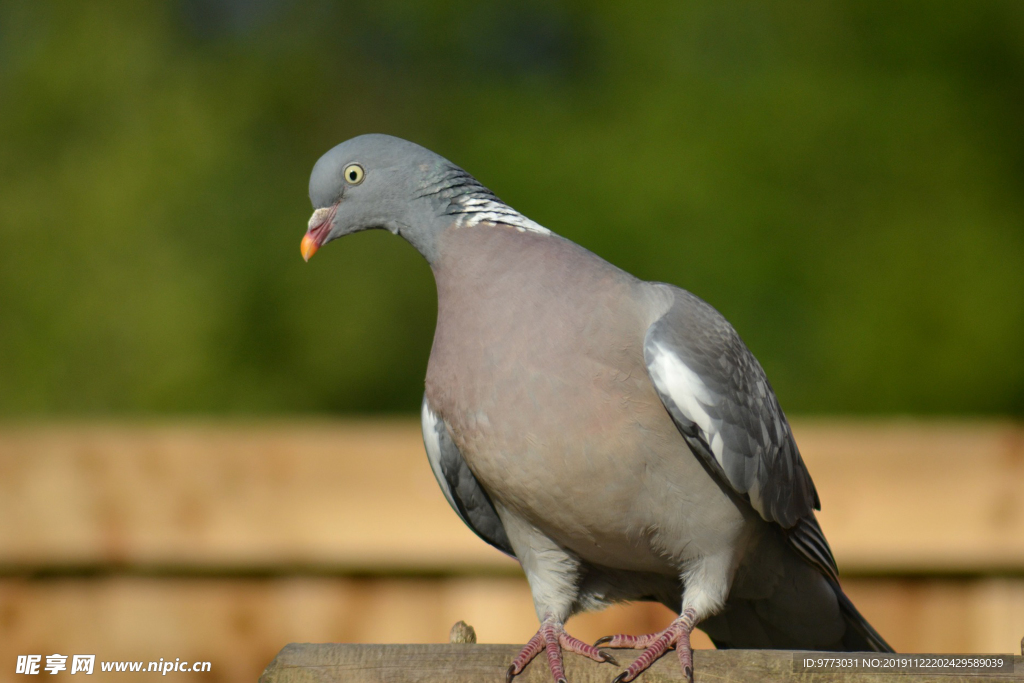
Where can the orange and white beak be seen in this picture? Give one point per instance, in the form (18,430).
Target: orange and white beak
(319,227)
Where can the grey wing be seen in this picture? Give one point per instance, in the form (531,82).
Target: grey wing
(725,409)
(460,487)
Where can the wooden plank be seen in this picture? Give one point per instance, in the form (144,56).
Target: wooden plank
(358,496)
(939,614)
(336,663)
(905,496)
(353,496)
(240,624)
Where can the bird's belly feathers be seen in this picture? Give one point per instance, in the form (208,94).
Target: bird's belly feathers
(627,495)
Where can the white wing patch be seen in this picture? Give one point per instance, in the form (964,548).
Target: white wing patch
(684,387)
(429,421)
(673,379)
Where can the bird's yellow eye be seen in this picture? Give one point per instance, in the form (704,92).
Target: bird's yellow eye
(354,174)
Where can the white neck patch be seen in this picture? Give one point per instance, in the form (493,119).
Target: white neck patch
(470,203)
(478,210)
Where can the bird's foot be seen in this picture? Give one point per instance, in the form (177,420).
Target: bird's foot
(656,644)
(552,638)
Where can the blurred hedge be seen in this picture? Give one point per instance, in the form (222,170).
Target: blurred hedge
(844,180)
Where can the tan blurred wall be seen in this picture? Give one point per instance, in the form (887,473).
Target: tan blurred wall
(225,542)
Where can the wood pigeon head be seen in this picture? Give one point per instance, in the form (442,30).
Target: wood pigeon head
(383,182)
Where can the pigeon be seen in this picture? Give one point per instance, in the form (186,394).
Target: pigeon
(615,436)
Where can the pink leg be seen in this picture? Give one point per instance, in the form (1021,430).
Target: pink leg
(552,638)
(656,644)
(554,652)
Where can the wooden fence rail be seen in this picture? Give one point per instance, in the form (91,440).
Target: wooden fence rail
(336,663)
(358,496)
(223,541)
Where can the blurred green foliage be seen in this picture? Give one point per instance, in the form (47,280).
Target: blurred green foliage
(843,180)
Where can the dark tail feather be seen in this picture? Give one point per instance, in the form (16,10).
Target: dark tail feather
(860,635)
(743,624)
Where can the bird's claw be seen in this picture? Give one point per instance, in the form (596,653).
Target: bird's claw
(602,640)
(608,657)
(510,674)
(621,678)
